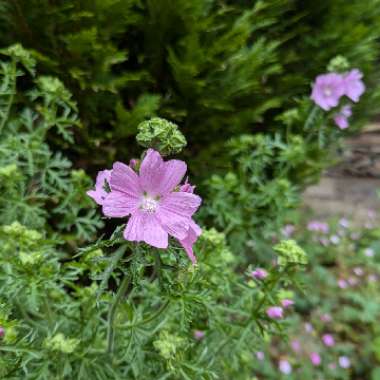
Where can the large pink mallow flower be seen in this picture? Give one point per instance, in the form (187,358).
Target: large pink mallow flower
(327,90)
(354,86)
(101,187)
(154,201)
(341,118)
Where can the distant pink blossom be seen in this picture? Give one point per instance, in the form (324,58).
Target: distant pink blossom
(2,332)
(328,340)
(326,318)
(315,359)
(358,271)
(344,362)
(288,230)
(275,312)
(199,334)
(287,303)
(328,89)
(318,226)
(296,345)
(259,273)
(341,118)
(342,283)
(151,199)
(308,327)
(260,355)
(101,187)
(353,85)
(369,252)
(285,367)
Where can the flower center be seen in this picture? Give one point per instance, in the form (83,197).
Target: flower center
(327,91)
(149,204)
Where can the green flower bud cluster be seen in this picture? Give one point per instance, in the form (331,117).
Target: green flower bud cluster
(161,135)
(168,345)
(289,252)
(62,344)
(338,64)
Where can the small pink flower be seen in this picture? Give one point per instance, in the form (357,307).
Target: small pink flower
(328,340)
(260,355)
(317,226)
(275,312)
(259,273)
(344,362)
(101,187)
(354,86)
(285,367)
(288,230)
(342,283)
(358,271)
(327,90)
(308,327)
(134,163)
(335,239)
(287,303)
(341,118)
(2,332)
(315,359)
(199,334)
(150,198)
(369,252)
(187,187)
(326,318)
(296,345)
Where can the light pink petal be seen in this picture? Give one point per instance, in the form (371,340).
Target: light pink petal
(192,236)
(152,172)
(118,205)
(100,193)
(174,171)
(125,180)
(144,227)
(174,224)
(180,203)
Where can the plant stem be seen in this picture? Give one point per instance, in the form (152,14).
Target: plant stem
(112,312)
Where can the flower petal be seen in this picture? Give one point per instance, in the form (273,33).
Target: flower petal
(180,203)
(144,227)
(174,171)
(192,236)
(174,224)
(118,204)
(152,172)
(125,180)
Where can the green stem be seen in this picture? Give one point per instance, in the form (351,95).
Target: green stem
(311,117)
(154,316)
(112,312)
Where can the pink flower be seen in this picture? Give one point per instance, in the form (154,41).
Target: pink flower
(187,187)
(344,362)
(288,230)
(369,252)
(296,345)
(358,271)
(317,226)
(275,312)
(285,367)
(341,118)
(327,90)
(353,84)
(101,187)
(342,283)
(287,303)
(156,210)
(259,273)
(260,355)
(199,334)
(2,332)
(328,340)
(326,318)
(315,359)
(308,327)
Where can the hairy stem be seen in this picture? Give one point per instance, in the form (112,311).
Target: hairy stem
(112,313)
